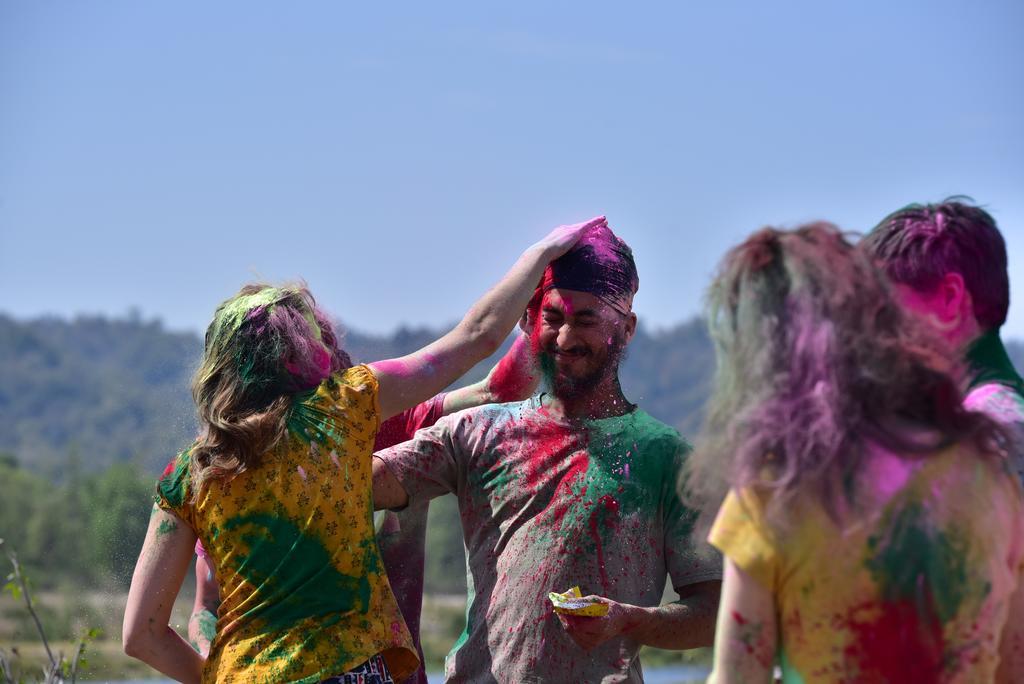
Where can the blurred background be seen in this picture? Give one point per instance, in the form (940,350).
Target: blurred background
(156,156)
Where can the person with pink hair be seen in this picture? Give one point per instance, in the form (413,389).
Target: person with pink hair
(871,526)
(948,264)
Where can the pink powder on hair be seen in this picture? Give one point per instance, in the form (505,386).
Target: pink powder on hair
(602,239)
(318,368)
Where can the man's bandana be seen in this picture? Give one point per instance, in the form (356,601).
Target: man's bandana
(600,264)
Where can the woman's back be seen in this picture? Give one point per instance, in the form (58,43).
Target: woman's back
(916,587)
(304,595)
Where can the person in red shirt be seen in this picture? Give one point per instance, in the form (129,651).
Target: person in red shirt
(402,535)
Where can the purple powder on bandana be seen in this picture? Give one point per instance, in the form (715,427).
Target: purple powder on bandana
(600,264)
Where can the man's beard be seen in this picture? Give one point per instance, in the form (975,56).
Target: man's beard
(567,387)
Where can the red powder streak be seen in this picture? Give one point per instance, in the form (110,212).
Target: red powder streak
(170,468)
(900,645)
(563,498)
(740,620)
(548,443)
(510,381)
(611,520)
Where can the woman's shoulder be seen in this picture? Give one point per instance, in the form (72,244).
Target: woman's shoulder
(349,382)
(963,470)
(359,377)
(343,405)
(173,484)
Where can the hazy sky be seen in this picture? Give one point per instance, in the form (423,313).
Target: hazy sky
(158,155)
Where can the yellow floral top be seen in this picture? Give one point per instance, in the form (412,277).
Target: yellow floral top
(303,590)
(916,588)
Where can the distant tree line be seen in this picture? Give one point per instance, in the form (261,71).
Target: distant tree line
(117,390)
(92,408)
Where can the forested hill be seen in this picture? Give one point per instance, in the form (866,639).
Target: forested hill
(80,396)
(101,391)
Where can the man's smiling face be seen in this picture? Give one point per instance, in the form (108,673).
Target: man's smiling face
(580,340)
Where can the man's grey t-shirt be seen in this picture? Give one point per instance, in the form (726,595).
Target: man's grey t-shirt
(547,504)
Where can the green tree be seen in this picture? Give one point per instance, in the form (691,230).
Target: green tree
(118,501)
(57,531)
(20,495)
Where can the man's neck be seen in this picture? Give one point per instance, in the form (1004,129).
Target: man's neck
(986,361)
(606,400)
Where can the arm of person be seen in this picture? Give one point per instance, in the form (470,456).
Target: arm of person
(163,562)
(1011,641)
(411,379)
(388,492)
(431,464)
(513,378)
(202,624)
(746,634)
(686,623)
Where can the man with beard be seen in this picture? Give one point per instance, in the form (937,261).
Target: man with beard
(576,486)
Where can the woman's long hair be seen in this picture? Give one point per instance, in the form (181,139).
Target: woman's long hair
(814,357)
(264,345)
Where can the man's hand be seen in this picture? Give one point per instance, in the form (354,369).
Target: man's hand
(590,632)
(686,623)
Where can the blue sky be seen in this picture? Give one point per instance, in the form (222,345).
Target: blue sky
(158,155)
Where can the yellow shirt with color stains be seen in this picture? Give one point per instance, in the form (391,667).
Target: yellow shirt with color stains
(304,595)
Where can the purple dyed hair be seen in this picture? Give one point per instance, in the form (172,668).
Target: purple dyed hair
(263,346)
(814,358)
(921,243)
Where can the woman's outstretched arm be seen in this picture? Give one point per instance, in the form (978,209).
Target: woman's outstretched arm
(411,379)
(161,567)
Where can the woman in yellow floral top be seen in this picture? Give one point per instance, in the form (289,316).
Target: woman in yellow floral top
(873,531)
(278,489)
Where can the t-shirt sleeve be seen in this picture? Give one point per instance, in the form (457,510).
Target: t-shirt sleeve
(741,534)
(999,402)
(173,491)
(431,463)
(1003,405)
(361,396)
(688,558)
